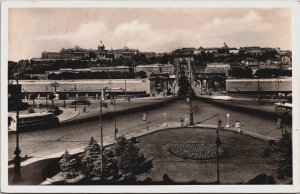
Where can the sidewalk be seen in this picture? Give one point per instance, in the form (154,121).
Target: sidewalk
(67,114)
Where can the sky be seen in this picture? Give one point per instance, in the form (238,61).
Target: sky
(33,30)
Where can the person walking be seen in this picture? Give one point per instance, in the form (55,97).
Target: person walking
(84,109)
(238,126)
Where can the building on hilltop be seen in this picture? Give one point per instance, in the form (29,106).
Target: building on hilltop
(101,52)
(125,53)
(78,53)
(75,53)
(51,55)
(254,50)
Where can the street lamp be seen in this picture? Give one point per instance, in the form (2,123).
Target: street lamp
(125,86)
(165,119)
(17,152)
(115,117)
(280,125)
(75,96)
(218,143)
(101,131)
(228,116)
(258,89)
(190,103)
(47,97)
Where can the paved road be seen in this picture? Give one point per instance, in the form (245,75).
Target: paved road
(41,143)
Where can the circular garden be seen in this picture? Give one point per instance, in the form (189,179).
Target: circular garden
(196,151)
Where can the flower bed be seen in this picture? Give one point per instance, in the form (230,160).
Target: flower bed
(196,151)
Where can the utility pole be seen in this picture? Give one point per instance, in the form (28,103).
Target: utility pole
(218,143)
(190,103)
(125,87)
(47,97)
(258,89)
(115,117)
(17,152)
(75,96)
(280,125)
(101,131)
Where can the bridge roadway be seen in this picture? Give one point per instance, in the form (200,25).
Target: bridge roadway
(44,142)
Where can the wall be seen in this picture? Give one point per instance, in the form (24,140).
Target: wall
(265,85)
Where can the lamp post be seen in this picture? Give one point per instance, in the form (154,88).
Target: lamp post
(125,86)
(258,89)
(280,125)
(190,103)
(218,143)
(165,119)
(17,152)
(115,117)
(278,88)
(227,116)
(101,131)
(47,97)
(75,96)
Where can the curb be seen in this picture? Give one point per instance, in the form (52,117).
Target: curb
(141,133)
(67,120)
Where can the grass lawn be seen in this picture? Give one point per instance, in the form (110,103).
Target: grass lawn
(242,159)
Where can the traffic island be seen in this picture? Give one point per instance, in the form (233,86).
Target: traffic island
(188,156)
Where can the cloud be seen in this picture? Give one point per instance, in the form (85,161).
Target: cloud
(252,16)
(131,28)
(252,22)
(86,35)
(160,30)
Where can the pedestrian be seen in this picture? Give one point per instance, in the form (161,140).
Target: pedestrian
(181,121)
(84,109)
(238,126)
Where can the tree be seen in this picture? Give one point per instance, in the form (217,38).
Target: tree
(130,161)
(236,72)
(67,165)
(51,97)
(64,97)
(248,73)
(142,74)
(91,159)
(285,162)
(32,97)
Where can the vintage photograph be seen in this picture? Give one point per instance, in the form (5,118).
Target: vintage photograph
(148,96)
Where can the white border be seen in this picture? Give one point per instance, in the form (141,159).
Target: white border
(293,5)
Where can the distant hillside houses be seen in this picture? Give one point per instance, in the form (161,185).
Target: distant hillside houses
(156,68)
(214,50)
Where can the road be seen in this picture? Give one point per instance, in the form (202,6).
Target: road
(41,143)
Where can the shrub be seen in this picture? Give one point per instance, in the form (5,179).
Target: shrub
(130,161)
(284,162)
(91,159)
(67,166)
